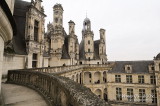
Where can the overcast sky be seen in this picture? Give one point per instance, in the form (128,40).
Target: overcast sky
(132,26)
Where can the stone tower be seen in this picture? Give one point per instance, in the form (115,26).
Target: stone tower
(102,46)
(58,15)
(157,74)
(34,34)
(88,38)
(57,36)
(73,46)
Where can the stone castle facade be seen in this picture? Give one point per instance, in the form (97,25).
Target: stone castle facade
(64,49)
(33,47)
(122,82)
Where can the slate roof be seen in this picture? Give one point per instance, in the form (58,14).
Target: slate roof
(81,51)
(58,6)
(157,57)
(65,54)
(137,66)
(96,49)
(20,9)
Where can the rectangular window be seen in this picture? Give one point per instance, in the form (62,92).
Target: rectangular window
(129,78)
(154,96)
(141,79)
(89,75)
(36,23)
(118,94)
(130,95)
(88,41)
(153,79)
(117,78)
(152,68)
(34,60)
(89,50)
(142,95)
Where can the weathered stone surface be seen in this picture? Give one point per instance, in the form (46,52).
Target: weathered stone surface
(15,95)
(57,90)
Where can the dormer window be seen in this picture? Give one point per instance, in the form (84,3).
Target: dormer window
(151,68)
(128,68)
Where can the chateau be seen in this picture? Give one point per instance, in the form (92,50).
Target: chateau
(47,60)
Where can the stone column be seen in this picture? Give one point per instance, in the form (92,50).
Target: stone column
(40,59)
(101,77)
(29,61)
(82,77)
(1,58)
(92,77)
(78,77)
(102,95)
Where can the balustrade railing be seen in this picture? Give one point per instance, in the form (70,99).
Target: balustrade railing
(64,68)
(57,90)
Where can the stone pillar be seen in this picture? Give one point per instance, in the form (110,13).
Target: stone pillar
(78,77)
(40,60)
(124,93)
(101,77)
(1,58)
(158,96)
(136,93)
(102,95)
(82,77)
(92,77)
(29,61)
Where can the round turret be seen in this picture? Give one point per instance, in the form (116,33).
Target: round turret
(87,24)
(157,57)
(57,6)
(58,15)
(86,21)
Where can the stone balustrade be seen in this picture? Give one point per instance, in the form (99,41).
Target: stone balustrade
(64,68)
(57,90)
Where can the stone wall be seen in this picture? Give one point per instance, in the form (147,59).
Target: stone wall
(1,57)
(57,90)
(7,29)
(11,62)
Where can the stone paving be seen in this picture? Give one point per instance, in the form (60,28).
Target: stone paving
(16,95)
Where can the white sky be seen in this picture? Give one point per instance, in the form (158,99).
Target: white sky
(132,26)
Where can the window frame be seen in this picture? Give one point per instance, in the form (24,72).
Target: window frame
(142,95)
(130,95)
(119,94)
(141,79)
(129,79)
(154,95)
(153,79)
(117,78)
(34,60)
